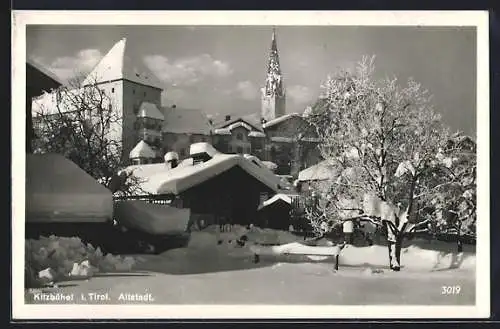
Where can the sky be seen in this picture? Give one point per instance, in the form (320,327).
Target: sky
(220,69)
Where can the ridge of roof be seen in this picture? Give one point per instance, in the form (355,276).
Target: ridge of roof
(280,119)
(117,65)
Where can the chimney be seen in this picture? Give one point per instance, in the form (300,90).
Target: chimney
(202,152)
(171,159)
(228,117)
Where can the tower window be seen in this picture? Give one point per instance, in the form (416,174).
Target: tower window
(239,136)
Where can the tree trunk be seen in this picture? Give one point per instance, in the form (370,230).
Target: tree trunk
(459,239)
(394,242)
(395,254)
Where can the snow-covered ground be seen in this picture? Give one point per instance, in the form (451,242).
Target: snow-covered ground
(212,270)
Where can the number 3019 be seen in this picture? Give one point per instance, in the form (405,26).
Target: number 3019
(450,290)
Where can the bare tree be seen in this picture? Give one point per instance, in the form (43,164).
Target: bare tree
(383,140)
(84,124)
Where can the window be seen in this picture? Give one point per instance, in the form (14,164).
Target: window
(133,91)
(239,149)
(239,136)
(112,90)
(174,138)
(144,94)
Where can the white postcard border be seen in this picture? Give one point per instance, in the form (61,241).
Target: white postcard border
(20,19)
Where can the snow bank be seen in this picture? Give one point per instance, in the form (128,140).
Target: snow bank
(151,218)
(53,259)
(412,257)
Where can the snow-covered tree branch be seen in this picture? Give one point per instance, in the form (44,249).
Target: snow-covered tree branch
(384,140)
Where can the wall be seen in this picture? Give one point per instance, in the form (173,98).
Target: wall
(239,146)
(133,96)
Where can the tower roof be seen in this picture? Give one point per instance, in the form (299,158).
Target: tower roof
(118,65)
(274,80)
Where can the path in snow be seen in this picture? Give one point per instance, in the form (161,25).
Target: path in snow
(286,283)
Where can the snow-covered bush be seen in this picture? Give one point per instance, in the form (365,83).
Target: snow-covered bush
(53,259)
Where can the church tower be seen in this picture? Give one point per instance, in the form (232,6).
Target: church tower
(273,93)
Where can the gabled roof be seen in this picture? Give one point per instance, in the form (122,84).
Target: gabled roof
(183,178)
(142,150)
(277,197)
(178,120)
(233,123)
(280,119)
(320,171)
(118,65)
(159,179)
(150,110)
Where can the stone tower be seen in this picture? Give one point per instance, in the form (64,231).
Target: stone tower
(273,93)
(133,88)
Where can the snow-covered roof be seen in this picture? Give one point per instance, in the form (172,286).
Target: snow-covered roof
(39,67)
(150,110)
(275,198)
(58,190)
(280,119)
(255,160)
(222,131)
(180,121)
(145,171)
(240,124)
(320,171)
(270,165)
(117,65)
(142,150)
(256,134)
(249,122)
(282,139)
(169,156)
(202,147)
(183,177)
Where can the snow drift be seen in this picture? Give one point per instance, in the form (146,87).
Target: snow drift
(52,259)
(151,218)
(57,190)
(274,244)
